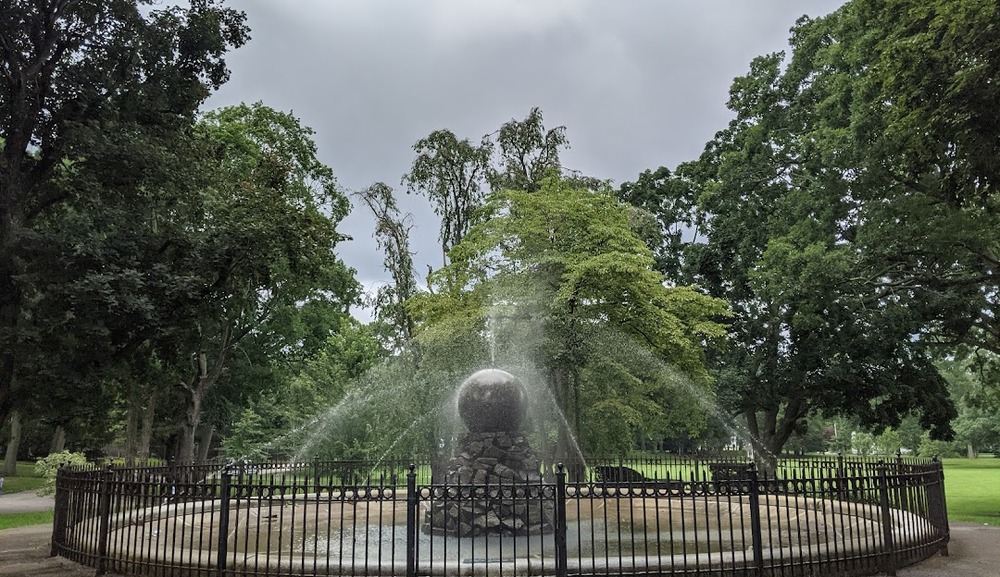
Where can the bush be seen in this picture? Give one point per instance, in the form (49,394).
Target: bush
(48,467)
(931,448)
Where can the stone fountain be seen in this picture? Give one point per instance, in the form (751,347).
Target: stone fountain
(493,485)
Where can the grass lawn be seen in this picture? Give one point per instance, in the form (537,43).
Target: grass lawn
(972,488)
(25,480)
(11,520)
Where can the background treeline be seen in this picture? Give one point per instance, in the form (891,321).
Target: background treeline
(170,286)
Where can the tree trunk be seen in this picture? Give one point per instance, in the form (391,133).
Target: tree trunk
(202,380)
(10,458)
(58,440)
(132,425)
(559,392)
(148,414)
(10,307)
(971,451)
(185,453)
(770,429)
(205,442)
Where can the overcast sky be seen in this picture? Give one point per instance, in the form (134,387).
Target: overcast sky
(637,83)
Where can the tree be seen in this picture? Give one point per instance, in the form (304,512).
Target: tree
(526,153)
(976,426)
(263,237)
(392,234)
(551,280)
(457,176)
(671,203)
(839,289)
(451,173)
(77,78)
(271,423)
(930,87)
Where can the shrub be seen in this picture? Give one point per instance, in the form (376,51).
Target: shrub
(931,448)
(48,467)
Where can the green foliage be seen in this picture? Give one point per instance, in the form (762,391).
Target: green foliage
(274,423)
(841,444)
(94,117)
(399,407)
(930,448)
(392,234)
(528,153)
(457,176)
(47,468)
(813,437)
(888,442)
(863,443)
(848,214)
(257,240)
(557,283)
(977,426)
(451,173)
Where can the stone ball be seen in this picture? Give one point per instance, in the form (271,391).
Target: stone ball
(492,400)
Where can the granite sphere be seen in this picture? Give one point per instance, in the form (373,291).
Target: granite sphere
(492,400)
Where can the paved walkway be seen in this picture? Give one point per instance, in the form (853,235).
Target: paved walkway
(25,502)
(974,550)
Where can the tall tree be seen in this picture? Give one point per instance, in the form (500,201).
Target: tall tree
(79,75)
(263,239)
(392,234)
(527,153)
(558,277)
(922,122)
(457,175)
(849,215)
(451,173)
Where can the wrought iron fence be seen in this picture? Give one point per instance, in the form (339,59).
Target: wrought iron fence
(651,516)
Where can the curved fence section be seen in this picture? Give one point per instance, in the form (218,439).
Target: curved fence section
(662,516)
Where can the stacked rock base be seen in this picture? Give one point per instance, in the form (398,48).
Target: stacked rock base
(492,488)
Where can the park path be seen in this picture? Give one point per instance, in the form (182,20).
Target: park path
(25,502)
(974,551)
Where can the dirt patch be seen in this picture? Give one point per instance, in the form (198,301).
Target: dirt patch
(24,552)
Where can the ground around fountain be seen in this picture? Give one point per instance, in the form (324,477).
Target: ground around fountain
(24,551)
(974,553)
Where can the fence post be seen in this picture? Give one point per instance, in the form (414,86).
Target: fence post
(561,564)
(411,521)
(104,515)
(59,514)
(755,530)
(887,541)
(222,551)
(937,507)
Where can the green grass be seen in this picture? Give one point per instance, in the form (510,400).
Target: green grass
(11,520)
(25,480)
(972,489)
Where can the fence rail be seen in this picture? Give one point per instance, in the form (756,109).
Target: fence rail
(652,516)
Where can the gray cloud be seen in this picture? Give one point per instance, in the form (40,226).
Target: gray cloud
(637,83)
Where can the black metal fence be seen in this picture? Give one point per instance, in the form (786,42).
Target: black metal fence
(655,516)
